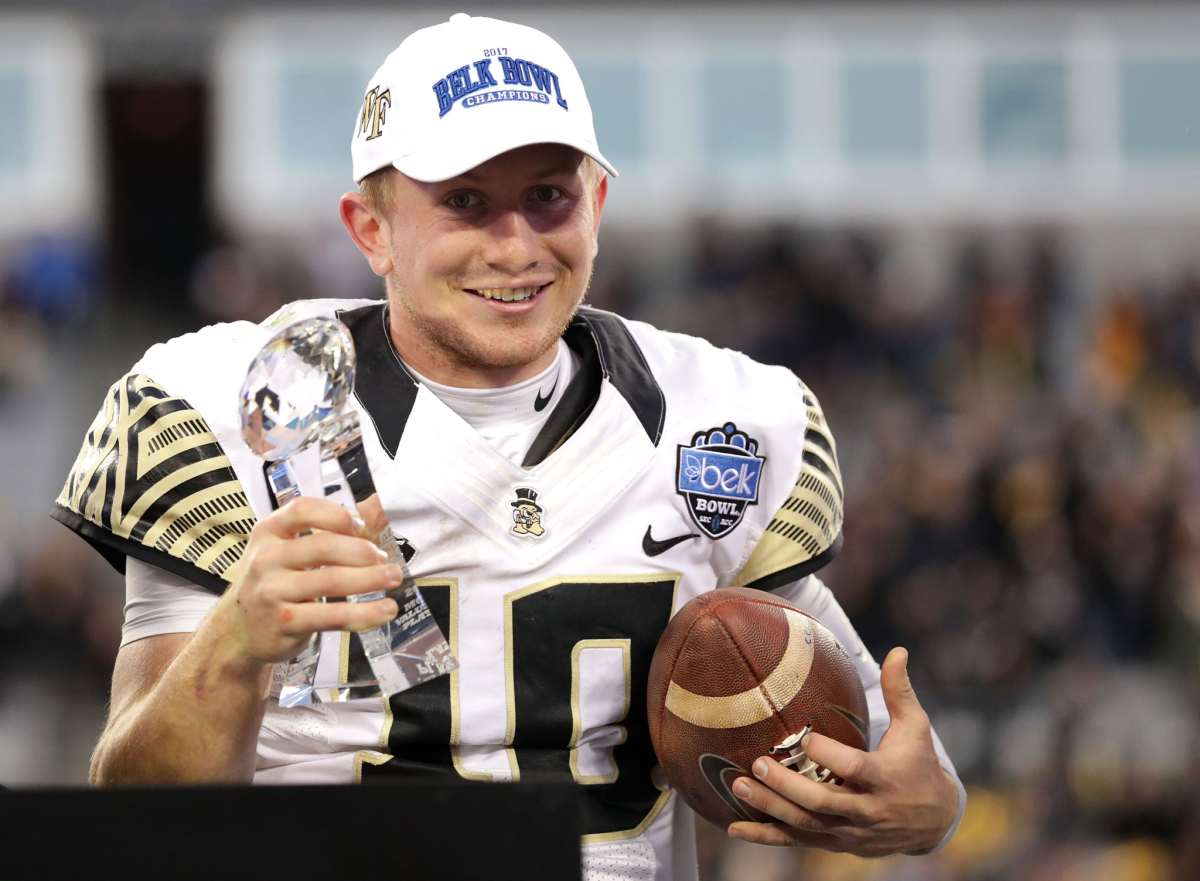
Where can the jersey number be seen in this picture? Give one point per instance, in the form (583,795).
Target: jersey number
(548,627)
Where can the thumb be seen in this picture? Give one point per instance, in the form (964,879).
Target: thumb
(898,692)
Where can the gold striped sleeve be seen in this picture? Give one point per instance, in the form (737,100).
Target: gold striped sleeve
(151,481)
(806,531)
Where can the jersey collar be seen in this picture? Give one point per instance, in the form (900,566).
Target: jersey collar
(607,352)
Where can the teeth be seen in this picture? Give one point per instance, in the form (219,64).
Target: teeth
(509,295)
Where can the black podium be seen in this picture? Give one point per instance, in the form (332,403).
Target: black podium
(411,831)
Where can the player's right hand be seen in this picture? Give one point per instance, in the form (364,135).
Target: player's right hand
(270,609)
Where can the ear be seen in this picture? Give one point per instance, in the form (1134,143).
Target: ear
(371,233)
(598,199)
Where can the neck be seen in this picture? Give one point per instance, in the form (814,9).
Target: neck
(445,367)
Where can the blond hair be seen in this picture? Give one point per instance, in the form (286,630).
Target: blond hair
(376,191)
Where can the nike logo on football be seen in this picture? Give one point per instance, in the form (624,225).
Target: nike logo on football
(654,548)
(539,403)
(718,770)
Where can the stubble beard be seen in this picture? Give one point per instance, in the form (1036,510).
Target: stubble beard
(448,339)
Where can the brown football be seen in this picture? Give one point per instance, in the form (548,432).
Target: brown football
(739,674)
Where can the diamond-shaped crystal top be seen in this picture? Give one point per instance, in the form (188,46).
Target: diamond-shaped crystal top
(303,375)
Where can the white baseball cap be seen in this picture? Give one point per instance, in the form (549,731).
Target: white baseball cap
(455,95)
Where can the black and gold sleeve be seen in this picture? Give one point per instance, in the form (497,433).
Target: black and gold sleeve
(152,482)
(806,532)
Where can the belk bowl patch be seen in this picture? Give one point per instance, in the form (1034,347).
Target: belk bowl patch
(718,475)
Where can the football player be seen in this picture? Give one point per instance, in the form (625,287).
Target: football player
(568,478)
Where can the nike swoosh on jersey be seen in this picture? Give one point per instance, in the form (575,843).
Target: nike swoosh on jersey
(539,403)
(654,548)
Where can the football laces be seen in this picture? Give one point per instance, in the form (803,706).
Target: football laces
(799,761)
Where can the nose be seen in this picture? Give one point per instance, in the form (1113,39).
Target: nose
(513,245)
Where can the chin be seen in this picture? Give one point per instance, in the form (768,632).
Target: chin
(496,349)
(507,355)
(489,344)
(510,346)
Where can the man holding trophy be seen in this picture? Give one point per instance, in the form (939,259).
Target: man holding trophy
(489,483)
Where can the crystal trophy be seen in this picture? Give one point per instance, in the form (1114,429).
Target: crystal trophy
(294,415)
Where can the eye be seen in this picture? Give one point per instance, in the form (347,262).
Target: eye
(545,193)
(462,200)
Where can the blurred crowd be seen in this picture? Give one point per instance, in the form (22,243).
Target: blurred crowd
(1022,467)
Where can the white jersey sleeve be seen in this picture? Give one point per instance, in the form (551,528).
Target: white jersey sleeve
(158,602)
(814,597)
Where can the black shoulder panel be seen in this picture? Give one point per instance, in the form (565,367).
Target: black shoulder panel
(624,365)
(384,388)
(577,400)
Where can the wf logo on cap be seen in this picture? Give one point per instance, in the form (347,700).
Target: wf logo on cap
(374,112)
(718,475)
(463,83)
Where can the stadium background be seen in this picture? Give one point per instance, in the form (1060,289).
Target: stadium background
(971,228)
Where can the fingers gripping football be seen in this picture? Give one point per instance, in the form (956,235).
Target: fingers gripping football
(310,548)
(801,805)
(813,808)
(897,799)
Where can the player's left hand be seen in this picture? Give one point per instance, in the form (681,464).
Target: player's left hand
(897,799)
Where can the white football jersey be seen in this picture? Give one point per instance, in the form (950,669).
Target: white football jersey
(666,469)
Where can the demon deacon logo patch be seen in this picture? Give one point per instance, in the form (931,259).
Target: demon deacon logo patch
(718,475)
(527,514)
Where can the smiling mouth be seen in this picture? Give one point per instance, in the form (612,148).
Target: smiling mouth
(508,295)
